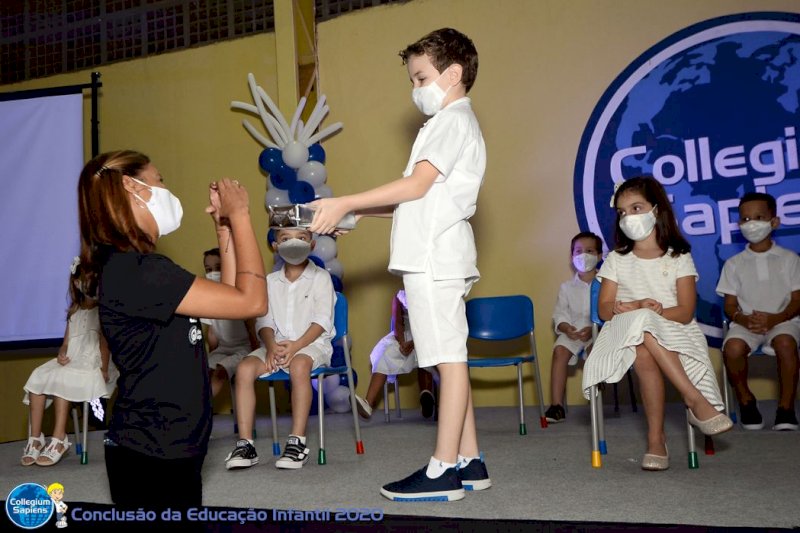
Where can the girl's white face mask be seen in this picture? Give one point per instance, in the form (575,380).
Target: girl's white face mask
(164,206)
(429,98)
(638,227)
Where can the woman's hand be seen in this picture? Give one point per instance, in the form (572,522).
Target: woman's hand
(228,199)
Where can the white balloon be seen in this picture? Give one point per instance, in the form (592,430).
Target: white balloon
(313,172)
(334,267)
(276,196)
(329,384)
(325,248)
(322,191)
(339,399)
(295,154)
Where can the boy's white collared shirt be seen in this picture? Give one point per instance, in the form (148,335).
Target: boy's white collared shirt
(573,304)
(294,306)
(433,232)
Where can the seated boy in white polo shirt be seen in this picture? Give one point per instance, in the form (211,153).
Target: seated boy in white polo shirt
(296,332)
(761,286)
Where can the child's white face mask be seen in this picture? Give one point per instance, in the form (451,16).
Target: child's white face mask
(584,262)
(294,251)
(756,231)
(429,98)
(214,276)
(638,227)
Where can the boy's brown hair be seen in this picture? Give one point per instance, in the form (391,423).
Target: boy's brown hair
(445,47)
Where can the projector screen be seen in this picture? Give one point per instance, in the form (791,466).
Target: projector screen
(41,152)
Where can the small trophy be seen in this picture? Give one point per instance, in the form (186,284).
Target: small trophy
(300,216)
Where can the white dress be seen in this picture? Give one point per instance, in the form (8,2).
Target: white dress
(615,349)
(80,380)
(386,357)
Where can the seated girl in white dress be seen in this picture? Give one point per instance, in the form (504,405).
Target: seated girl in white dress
(647,298)
(81,372)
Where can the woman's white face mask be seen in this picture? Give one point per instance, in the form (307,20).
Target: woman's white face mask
(164,206)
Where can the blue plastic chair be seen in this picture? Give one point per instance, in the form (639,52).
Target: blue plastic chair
(599,446)
(340,322)
(503,318)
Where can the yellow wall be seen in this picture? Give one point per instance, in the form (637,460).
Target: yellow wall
(543,66)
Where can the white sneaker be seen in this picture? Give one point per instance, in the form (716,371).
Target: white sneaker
(363,407)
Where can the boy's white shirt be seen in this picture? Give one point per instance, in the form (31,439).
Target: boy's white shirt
(573,304)
(294,306)
(761,281)
(432,233)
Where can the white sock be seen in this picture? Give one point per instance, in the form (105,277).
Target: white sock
(252,443)
(436,468)
(464,461)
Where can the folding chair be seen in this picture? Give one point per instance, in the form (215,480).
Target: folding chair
(340,322)
(503,318)
(599,446)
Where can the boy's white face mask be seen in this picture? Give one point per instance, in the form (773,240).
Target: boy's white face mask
(294,251)
(584,262)
(214,276)
(756,231)
(429,98)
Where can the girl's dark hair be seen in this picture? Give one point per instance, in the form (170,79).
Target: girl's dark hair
(79,299)
(667,233)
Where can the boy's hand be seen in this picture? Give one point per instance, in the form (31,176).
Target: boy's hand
(653,305)
(763,322)
(286,351)
(585,334)
(327,213)
(572,333)
(271,361)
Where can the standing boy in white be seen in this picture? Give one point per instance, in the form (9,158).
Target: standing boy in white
(433,248)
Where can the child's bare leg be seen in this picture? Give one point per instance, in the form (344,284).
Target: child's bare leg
(671,367)
(651,387)
(786,354)
(37,402)
(247,372)
(300,372)
(218,378)
(425,380)
(454,397)
(61,407)
(735,355)
(558,375)
(375,388)
(469,435)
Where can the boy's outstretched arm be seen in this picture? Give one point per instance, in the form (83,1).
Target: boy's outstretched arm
(329,211)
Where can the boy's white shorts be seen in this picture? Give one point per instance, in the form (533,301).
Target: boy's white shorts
(754,340)
(438,318)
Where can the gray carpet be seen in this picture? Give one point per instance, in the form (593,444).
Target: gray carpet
(753,479)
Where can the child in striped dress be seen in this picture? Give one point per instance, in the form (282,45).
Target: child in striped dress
(647,299)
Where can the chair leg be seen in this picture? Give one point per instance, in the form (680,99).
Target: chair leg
(386,401)
(523,430)
(397,412)
(85,451)
(351,384)
(77,430)
(616,399)
(594,392)
(631,392)
(321,459)
(232,384)
(273,413)
(726,391)
(537,375)
(693,461)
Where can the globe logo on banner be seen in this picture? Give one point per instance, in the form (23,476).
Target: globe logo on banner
(711,112)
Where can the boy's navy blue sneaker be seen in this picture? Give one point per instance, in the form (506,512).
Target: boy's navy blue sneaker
(418,487)
(474,476)
(751,416)
(785,420)
(243,456)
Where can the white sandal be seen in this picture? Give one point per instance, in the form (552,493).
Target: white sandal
(31,452)
(51,453)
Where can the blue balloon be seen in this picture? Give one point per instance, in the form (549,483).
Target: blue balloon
(317,261)
(337,283)
(270,160)
(284,178)
(271,236)
(301,192)
(316,153)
